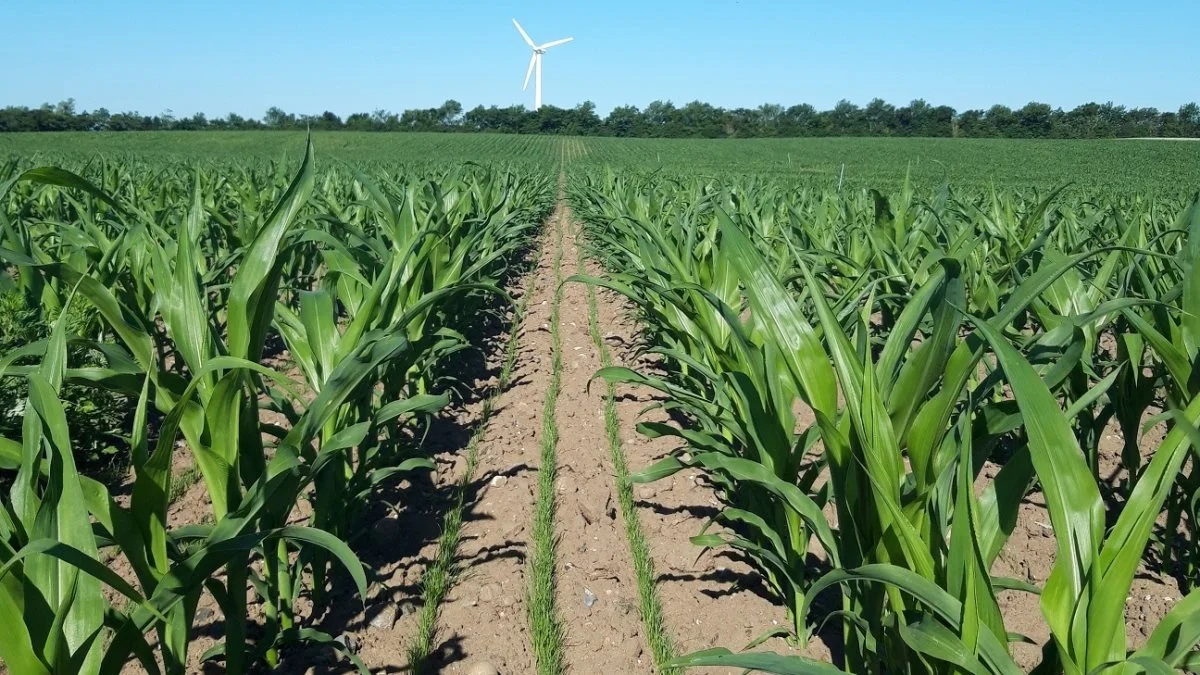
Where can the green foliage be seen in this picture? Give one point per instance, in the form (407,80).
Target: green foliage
(842,356)
(1117,168)
(185,278)
(663,119)
(842,366)
(96,417)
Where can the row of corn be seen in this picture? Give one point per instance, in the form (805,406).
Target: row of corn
(196,279)
(843,367)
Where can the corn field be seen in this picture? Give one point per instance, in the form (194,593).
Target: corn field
(878,391)
(842,368)
(190,276)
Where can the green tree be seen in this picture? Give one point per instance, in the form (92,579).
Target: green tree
(880,117)
(449,114)
(1035,120)
(661,119)
(847,119)
(624,121)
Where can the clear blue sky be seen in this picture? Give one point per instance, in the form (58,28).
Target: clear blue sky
(218,56)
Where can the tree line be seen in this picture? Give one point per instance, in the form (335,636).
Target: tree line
(663,119)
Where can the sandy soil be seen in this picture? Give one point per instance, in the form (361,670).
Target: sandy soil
(596,593)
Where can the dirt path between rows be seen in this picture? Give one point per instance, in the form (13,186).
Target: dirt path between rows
(596,592)
(707,601)
(483,619)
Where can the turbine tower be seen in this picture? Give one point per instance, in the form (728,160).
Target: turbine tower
(535,63)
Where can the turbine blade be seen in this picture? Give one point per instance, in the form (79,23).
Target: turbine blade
(556,43)
(529,72)
(525,35)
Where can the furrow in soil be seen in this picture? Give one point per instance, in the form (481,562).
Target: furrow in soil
(482,619)
(596,588)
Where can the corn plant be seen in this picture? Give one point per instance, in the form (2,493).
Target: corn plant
(903,421)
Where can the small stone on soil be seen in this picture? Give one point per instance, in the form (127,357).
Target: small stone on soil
(482,668)
(386,616)
(499,481)
(589,598)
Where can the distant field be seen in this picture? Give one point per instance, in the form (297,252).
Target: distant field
(1111,165)
(960,401)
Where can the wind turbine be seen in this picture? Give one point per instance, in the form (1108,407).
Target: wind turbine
(535,63)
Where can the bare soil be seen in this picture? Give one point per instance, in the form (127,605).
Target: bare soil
(596,591)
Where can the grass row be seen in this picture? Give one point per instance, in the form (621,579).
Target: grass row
(544,622)
(444,573)
(643,563)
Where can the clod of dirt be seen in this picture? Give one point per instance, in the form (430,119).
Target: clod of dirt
(586,514)
(499,481)
(347,641)
(490,592)
(482,668)
(386,529)
(386,617)
(412,576)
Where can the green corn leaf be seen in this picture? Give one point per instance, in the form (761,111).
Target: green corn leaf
(423,403)
(17,650)
(252,295)
(779,314)
(934,640)
(767,662)
(1072,498)
(803,505)
(948,610)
